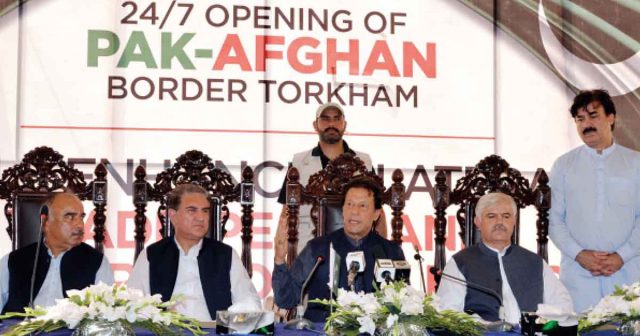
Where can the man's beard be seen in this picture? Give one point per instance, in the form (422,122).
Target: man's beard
(331,137)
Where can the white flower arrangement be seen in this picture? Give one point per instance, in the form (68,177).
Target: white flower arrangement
(390,307)
(621,307)
(104,302)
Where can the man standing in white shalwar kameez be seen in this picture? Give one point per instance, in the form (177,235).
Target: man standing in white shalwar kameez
(595,209)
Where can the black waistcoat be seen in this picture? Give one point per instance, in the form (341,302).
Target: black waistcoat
(214,264)
(78,269)
(364,282)
(480,265)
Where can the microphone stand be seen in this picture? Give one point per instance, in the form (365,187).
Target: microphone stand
(501,325)
(419,258)
(44,212)
(301,323)
(351,277)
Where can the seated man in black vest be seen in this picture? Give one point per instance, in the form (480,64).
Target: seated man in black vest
(64,261)
(519,277)
(208,274)
(361,208)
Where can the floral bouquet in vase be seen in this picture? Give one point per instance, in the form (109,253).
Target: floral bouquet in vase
(117,306)
(621,307)
(394,309)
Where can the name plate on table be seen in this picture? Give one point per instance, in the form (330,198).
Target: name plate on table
(260,323)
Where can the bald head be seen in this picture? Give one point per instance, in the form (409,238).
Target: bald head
(64,225)
(53,199)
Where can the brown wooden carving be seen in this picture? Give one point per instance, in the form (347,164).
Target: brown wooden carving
(337,173)
(44,170)
(491,174)
(295,198)
(96,191)
(440,204)
(140,199)
(197,168)
(394,197)
(542,202)
(244,193)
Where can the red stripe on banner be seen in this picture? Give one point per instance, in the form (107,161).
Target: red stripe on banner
(160,129)
(262,245)
(261,230)
(262,215)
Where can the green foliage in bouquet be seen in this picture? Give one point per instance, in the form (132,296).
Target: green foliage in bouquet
(622,306)
(388,308)
(111,303)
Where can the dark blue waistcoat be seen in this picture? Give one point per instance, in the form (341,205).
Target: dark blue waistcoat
(480,265)
(214,264)
(364,282)
(78,269)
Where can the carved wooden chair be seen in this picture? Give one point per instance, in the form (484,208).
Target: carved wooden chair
(197,168)
(491,174)
(325,193)
(25,186)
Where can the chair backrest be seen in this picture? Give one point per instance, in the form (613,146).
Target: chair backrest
(491,174)
(325,193)
(197,168)
(26,210)
(25,185)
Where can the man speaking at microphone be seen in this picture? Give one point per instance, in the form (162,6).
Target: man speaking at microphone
(361,207)
(520,278)
(64,262)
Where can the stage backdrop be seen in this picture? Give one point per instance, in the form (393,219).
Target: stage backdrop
(424,83)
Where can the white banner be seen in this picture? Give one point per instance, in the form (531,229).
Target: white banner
(424,83)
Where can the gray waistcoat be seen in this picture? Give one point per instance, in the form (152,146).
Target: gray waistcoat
(480,265)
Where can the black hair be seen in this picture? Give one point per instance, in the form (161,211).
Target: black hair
(584,98)
(368,184)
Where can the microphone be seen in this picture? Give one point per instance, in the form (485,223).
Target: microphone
(44,210)
(419,258)
(501,325)
(355,265)
(403,270)
(44,213)
(384,270)
(300,323)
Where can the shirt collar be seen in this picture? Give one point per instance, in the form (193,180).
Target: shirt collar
(193,252)
(500,253)
(317,150)
(59,257)
(605,152)
(355,243)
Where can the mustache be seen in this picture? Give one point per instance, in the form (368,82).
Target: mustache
(78,233)
(499,227)
(331,128)
(589,129)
